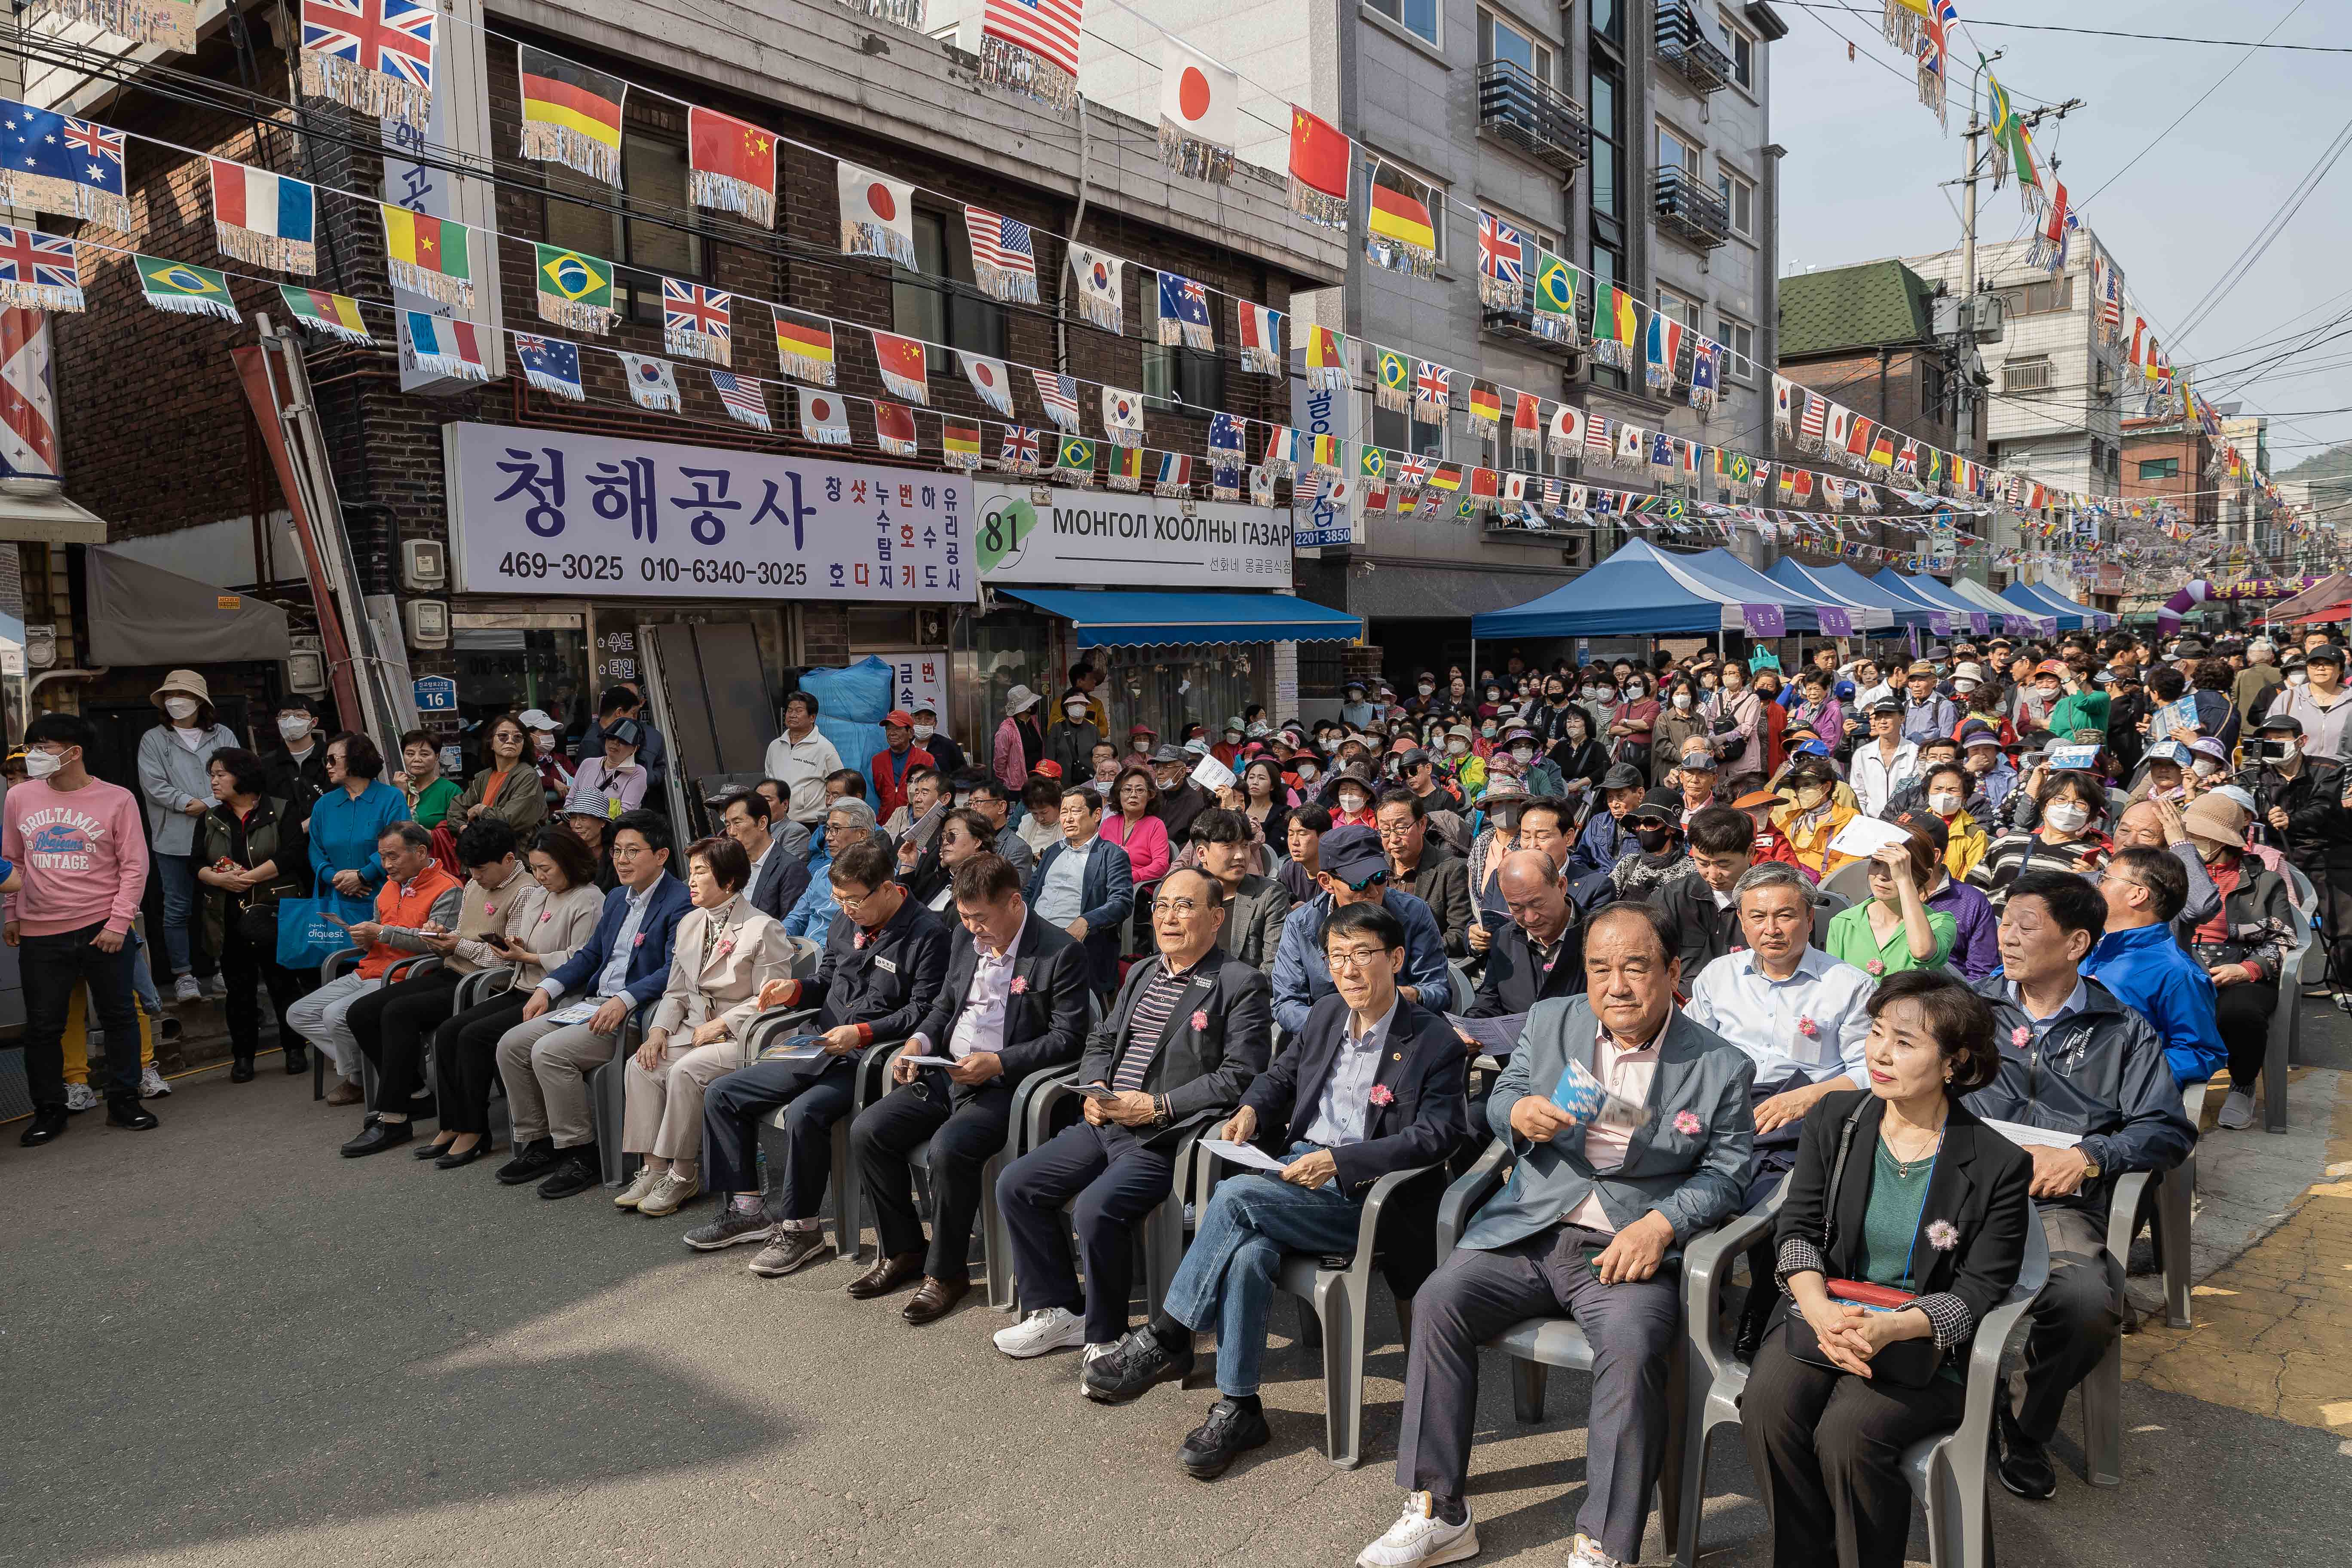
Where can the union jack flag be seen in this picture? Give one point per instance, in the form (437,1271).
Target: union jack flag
(38,271)
(697,320)
(1059,394)
(393,38)
(1019,452)
(1433,389)
(1413,472)
(1502,258)
(97,140)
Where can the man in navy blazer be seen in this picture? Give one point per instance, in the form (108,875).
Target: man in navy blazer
(1371,1085)
(780,873)
(545,1059)
(1085,885)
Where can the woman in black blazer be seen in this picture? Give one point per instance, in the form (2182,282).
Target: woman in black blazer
(1901,1188)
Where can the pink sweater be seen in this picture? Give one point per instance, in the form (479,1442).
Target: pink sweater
(83,854)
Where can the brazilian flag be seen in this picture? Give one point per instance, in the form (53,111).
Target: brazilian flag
(185,290)
(1555,285)
(1395,379)
(575,290)
(1075,457)
(1375,462)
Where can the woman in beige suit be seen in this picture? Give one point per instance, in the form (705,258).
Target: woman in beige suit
(725,951)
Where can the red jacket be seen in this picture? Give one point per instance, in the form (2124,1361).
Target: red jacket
(890,777)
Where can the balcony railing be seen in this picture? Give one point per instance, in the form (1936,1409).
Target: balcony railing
(1685,48)
(1689,211)
(1523,326)
(1540,121)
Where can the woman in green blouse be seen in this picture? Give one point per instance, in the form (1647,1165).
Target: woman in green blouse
(1895,930)
(429,791)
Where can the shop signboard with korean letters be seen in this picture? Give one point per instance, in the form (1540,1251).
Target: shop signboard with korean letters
(560,513)
(1060,535)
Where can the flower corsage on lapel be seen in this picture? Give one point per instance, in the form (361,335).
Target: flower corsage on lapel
(1382,1095)
(1200,1018)
(1943,1235)
(1020,985)
(1688,1123)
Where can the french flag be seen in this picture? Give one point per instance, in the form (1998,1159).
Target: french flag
(266,219)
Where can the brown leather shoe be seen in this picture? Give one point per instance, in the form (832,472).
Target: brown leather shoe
(935,1300)
(886,1275)
(344,1094)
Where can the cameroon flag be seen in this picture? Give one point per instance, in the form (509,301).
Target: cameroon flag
(337,315)
(430,256)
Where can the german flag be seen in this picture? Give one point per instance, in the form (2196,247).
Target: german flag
(1398,232)
(805,348)
(1485,405)
(571,115)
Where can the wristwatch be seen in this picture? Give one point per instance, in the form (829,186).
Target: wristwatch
(2090,1165)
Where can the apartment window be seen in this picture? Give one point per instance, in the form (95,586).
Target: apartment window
(654,178)
(1676,153)
(1743,54)
(1674,308)
(1390,429)
(1174,375)
(921,306)
(1499,40)
(1427,192)
(2040,299)
(2160,469)
(1740,339)
(1740,199)
(1932,389)
(1608,20)
(2029,374)
(1604,171)
(1531,234)
(1418,17)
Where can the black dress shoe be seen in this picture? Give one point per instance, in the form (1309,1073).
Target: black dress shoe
(1137,1361)
(431,1151)
(297,1061)
(2022,1464)
(48,1121)
(886,1275)
(376,1137)
(1747,1340)
(532,1160)
(124,1110)
(579,1172)
(240,1070)
(1230,1432)
(452,1161)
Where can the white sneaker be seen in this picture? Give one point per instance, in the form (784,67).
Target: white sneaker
(80,1097)
(2237,1111)
(1587,1553)
(188,990)
(1047,1328)
(152,1085)
(1419,1539)
(669,1193)
(638,1190)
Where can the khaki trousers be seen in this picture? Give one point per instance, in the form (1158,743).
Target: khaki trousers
(545,1066)
(664,1114)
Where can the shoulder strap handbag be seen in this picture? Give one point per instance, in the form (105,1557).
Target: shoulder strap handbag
(1907,1363)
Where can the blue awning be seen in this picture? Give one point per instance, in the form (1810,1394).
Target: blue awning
(1145,620)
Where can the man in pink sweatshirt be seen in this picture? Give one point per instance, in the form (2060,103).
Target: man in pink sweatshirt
(78,844)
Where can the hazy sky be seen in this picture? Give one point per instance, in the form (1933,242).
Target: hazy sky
(2175,220)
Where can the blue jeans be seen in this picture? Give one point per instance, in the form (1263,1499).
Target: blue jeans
(1228,1273)
(181,891)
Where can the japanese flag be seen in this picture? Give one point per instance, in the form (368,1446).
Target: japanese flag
(1199,99)
(823,417)
(878,216)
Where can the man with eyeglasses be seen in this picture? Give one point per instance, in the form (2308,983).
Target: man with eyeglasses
(1014,1003)
(1430,872)
(848,822)
(1189,1030)
(1539,953)
(1355,871)
(1372,1085)
(880,976)
(1085,885)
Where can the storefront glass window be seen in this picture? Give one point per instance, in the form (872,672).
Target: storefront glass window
(1169,688)
(507,672)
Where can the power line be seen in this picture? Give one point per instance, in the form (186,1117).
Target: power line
(2192,109)
(2262,43)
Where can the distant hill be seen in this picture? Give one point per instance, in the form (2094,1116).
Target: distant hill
(2335,463)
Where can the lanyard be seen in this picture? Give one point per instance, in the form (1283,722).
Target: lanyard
(1922,1216)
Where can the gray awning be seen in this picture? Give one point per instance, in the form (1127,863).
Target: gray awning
(143,615)
(35,512)
(1439,593)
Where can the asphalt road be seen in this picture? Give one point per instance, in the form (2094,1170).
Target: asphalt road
(224,1344)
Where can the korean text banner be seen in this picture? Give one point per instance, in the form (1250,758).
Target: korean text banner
(554,512)
(1061,535)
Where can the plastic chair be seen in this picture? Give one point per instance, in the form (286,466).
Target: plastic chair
(1850,881)
(1333,1296)
(2102,1391)
(608,1088)
(472,991)
(1827,906)
(1161,1233)
(1947,1473)
(865,1088)
(331,968)
(2285,1033)
(1458,979)
(1537,1345)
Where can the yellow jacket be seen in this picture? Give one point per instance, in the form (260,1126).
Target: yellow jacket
(1811,849)
(1965,847)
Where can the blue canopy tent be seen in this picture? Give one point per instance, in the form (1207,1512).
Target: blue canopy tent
(1640,591)
(2069,620)
(1762,588)
(1865,614)
(1939,596)
(2099,620)
(1128,620)
(1841,578)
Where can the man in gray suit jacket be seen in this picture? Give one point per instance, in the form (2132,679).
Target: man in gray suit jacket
(1590,1225)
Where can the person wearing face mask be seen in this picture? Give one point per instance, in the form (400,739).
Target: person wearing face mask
(948,757)
(2067,839)
(1946,798)
(1351,797)
(1069,741)
(1630,733)
(1558,697)
(1538,771)
(1680,720)
(1580,758)
(1426,699)
(1813,816)
(175,777)
(2298,809)
(296,765)
(1659,858)
(1607,836)
(545,752)
(2243,947)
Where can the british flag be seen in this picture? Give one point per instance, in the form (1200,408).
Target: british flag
(38,271)
(1059,394)
(1412,473)
(390,38)
(1018,453)
(697,322)
(1432,390)
(1502,261)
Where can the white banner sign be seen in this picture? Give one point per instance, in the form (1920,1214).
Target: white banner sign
(552,511)
(918,679)
(1053,534)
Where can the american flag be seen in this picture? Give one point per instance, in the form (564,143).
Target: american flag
(1307,488)
(393,38)
(1059,394)
(1000,242)
(1046,28)
(745,398)
(1598,443)
(28,404)
(1817,413)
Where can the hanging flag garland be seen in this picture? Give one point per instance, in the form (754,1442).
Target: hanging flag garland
(959,446)
(1705,375)
(876,215)
(50,163)
(906,14)
(374,55)
(1615,330)
(1566,437)
(1326,359)
(1122,417)
(1261,487)
(1433,390)
(1003,256)
(1393,380)
(1184,312)
(1100,293)
(732,165)
(1031,48)
(894,429)
(1502,263)
(183,290)
(1322,161)
(1018,454)
(269,220)
(1225,482)
(1059,394)
(38,271)
(1557,283)
(571,115)
(804,347)
(575,290)
(1200,113)
(904,370)
(1261,339)
(169,23)
(1665,344)
(439,345)
(989,380)
(823,418)
(551,365)
(745,398)
(2049,248)
(653,383)
(1281,457)
(1525,423)
(1074,461)
(1226,435)
(1486,411)
(429,256)
(1175,477)
(337,315)
(1397,231)
(697,322)
(1127,469)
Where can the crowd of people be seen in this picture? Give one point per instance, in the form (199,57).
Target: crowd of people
(2086,867)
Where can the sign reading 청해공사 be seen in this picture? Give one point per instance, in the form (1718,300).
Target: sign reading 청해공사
(1079,536)
(549,511)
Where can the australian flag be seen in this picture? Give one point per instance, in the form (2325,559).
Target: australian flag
(551,364)
(1184,312)
(1224,436)
(51,163)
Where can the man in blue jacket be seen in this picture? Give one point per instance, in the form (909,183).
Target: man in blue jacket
(1607,837)
(1354,869)
(1085,886)
(545,1060)
(2142,962)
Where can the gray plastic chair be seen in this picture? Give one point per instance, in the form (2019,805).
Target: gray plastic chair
(472,991)
(1947,1473)
(2285,1035)
(1538,1346)
(866,1087)
(1827,906)
(335,964)
(1464,990)
(2102,1391)
(1850,881)
(1333,1304)
(1161,1233)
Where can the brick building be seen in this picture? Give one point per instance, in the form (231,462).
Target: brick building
(2167,458)
(159,439)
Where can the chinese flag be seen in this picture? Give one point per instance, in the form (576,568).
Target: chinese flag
(722,145)
(1320,154)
